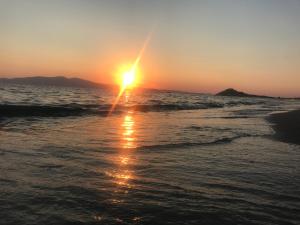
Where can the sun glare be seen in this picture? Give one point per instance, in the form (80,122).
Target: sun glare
(128,78)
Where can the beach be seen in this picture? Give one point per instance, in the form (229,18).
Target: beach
(287,126)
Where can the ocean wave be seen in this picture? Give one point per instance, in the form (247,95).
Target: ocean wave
(13,110)
(74,109)
(39,110)
(190,144)
(174,107)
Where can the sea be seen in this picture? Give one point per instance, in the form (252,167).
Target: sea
(79,156)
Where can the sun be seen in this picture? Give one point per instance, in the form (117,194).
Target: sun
(128,75)
(128,78)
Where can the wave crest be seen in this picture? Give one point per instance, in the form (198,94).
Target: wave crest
(12,110)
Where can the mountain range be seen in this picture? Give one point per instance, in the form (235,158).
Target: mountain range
(53,81)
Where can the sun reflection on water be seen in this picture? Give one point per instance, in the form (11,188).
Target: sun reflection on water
(128,137)
(123,173)
(124,160)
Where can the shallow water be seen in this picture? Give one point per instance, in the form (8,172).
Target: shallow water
(160,158)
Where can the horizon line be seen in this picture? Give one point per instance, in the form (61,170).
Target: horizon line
(149,88)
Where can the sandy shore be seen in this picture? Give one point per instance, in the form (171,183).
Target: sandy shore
(287,126)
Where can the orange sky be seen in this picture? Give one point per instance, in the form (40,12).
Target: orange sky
(196,46)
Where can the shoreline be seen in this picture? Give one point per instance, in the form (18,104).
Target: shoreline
(286,126)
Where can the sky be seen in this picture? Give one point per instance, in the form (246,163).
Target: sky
(202,46)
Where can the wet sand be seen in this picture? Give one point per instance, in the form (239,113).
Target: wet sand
(287,126)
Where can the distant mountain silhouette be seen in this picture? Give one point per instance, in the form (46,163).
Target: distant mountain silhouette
(61,81)
(52,81)
(234,93)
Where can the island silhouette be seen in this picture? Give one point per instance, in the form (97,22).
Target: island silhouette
(234,93)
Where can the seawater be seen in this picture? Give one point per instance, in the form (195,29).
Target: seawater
(161,157)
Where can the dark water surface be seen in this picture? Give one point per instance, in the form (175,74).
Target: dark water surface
(160,158)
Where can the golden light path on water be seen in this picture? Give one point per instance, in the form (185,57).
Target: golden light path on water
(128,145)
(124,159)
(128,133)
(122,173)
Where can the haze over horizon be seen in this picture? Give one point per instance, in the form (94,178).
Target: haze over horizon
(203,46)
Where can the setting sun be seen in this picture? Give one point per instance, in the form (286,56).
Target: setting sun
(128,78)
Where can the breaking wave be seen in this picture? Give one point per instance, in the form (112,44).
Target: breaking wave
(12,110)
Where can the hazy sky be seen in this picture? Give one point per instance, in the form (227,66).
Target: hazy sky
(196,45)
